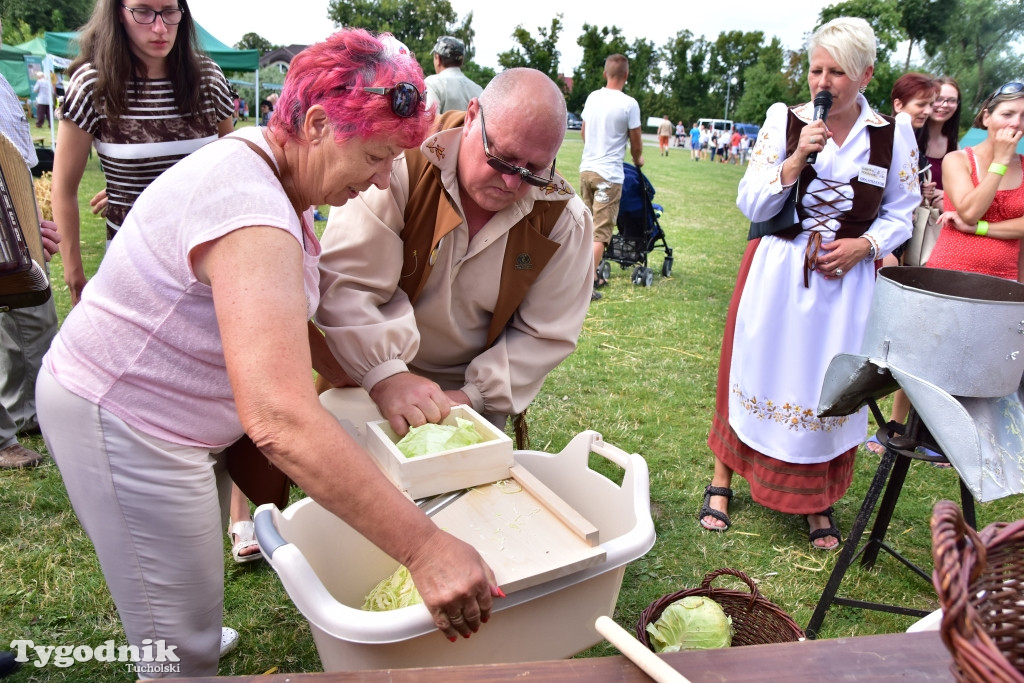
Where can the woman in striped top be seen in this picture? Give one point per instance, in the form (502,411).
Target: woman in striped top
(145,97)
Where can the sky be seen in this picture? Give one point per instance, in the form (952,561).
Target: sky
(305,21)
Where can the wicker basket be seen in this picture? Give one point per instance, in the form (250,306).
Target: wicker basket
(980,581)
(755,621)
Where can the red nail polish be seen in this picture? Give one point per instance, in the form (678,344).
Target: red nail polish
(452,638)
(501,593)
(468,635)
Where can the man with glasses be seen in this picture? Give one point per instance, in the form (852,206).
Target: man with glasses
(610,119)
(467,280)
(449,87)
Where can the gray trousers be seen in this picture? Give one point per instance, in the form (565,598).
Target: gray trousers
(156,513)
(25,336)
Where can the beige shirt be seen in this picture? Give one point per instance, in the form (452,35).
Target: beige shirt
(375,332)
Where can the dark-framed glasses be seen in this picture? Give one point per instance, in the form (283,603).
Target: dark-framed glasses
(950,101)
(145,15)
(505,168)
(405,98)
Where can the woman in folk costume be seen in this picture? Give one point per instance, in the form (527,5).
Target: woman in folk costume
(803,291)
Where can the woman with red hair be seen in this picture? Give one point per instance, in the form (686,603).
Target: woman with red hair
(194,333)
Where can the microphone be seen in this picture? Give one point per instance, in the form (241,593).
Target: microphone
(822,103)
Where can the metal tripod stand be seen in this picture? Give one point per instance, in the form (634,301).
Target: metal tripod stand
(899,451)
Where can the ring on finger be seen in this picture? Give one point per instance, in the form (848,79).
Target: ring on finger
(814,140)
(839,272)
(457,619)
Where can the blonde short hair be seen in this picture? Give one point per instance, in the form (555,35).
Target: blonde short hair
(850,41)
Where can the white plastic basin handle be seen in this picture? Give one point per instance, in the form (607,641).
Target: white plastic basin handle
(613,453)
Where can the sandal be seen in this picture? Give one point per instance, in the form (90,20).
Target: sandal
(707,511)
(243,537)
(831,530)
(873,445)
(599,282)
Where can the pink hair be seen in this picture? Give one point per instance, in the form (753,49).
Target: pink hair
(333,73)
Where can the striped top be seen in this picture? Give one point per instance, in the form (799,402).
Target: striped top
(151,136)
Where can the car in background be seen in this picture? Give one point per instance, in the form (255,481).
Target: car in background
(573,121)
(749,129)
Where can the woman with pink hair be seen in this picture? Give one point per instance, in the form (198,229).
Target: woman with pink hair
(194,333)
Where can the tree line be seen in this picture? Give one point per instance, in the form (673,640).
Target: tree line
(977,42)
(974,41)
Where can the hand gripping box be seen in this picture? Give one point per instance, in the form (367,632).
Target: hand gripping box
(459,468)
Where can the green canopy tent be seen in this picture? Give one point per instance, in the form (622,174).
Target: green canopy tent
(12,66)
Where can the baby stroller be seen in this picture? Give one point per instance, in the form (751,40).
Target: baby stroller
(638,231)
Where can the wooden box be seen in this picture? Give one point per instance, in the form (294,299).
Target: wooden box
(459,468)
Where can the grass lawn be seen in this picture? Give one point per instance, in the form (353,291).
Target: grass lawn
(643,375)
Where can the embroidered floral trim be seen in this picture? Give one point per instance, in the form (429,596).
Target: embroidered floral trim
(875,119)
(561,188)
(909,178)
(791,416)
(765,153)
(436,149)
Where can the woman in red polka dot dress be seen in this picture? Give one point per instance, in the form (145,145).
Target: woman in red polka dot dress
(984,203)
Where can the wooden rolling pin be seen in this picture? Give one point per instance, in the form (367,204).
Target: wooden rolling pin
(650,663)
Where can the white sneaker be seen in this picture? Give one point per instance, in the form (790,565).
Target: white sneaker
(228,640)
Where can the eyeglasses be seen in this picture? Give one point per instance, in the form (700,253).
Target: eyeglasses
(1011,88)
(942,101)
(405,98)
(505,168)
(145,15)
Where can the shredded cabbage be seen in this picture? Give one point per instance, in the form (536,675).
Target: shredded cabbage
(692,623)
(434,438)
(393,592)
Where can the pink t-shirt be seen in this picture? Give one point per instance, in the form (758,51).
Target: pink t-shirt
(144,342)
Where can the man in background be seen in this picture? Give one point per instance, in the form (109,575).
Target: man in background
(449,87)
(695,142)
(610,119)
(664,135)
(43,90)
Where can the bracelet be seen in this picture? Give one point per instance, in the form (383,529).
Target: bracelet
(872,247)
(998,169)
(982,229)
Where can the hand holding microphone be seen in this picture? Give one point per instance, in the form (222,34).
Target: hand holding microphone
(822,103)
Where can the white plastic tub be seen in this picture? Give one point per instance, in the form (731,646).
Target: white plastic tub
(327,568)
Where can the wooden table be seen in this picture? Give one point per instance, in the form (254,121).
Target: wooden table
(901,656)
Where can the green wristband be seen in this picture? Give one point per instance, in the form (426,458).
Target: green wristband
(982,229)
(998,169)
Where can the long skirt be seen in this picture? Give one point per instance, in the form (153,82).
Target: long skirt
(802,489)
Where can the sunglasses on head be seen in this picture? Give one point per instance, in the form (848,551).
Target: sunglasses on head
(505,168)
(405,98)
(1011,88)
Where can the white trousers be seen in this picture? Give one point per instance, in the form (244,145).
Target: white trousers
(155,512)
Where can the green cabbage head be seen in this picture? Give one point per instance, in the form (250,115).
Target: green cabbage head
(692,623)
(434,438)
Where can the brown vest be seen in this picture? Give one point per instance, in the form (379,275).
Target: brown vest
(867,199)
(432,213)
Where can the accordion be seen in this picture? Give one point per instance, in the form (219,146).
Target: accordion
(23,278)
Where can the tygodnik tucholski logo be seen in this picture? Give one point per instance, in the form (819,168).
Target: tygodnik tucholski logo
(152,657)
